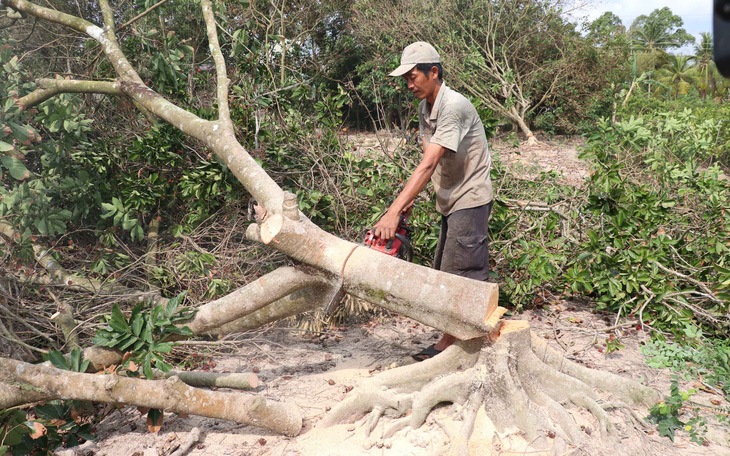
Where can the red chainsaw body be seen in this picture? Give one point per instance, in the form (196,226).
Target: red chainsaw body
(393,246)
(390,247)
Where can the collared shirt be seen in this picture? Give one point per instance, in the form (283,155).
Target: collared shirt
(461,178)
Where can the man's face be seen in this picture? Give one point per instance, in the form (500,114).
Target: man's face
(419,84)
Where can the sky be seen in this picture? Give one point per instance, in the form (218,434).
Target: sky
(696,14)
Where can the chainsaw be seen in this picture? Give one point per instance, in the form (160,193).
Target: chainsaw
(400,246)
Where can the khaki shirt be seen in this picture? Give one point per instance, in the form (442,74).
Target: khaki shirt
(461,178)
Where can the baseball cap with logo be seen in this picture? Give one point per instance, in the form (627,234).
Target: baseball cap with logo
(413,54)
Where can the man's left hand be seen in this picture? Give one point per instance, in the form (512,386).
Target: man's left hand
(387,226)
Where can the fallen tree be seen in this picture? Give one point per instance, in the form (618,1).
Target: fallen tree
(498,365)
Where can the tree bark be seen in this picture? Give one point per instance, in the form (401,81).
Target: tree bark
(244,380)
(252,297)
(22,382)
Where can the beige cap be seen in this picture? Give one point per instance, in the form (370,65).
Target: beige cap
(413,54)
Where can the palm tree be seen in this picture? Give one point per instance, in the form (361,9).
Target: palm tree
(653,36)
(650,43)
(678,72)
(705,64)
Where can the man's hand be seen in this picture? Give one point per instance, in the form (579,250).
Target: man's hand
(387,226)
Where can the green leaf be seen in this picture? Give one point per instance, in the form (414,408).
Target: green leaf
(5,147)
(137,233)
(184,331)
(137,323)
(172,306)
(101,340)
(75,359)
(127,223)
(20,132)
(16,167)
(147,335)
(109,210)
(57,359)
(147,367)
(15,430)
(51,410)
(164,347)
(163,322)
(127,342)
(118,322)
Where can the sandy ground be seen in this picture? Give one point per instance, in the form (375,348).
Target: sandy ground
(557,154)
(316,372)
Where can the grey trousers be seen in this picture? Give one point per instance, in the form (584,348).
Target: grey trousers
(463,246)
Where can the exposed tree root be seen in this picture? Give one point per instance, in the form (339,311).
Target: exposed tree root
(518,381)
(21,383)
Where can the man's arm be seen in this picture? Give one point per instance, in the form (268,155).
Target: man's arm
(388,224)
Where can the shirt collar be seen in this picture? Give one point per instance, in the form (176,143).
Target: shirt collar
(437,103)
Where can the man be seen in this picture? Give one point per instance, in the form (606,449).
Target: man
(457,161)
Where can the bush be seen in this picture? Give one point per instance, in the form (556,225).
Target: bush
(658,248)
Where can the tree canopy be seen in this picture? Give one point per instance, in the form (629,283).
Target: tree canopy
(661,30)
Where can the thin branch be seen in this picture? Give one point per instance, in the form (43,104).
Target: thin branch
(141,15)
(51,15)
(49,88)
(222,82)
(534,206)
(72,281)
(108,13)
(32,29)
(709,293)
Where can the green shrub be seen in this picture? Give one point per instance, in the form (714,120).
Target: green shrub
(658,245)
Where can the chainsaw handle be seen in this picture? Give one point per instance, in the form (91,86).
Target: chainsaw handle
(405,244)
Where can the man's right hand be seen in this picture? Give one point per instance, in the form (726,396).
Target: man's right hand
(387,226)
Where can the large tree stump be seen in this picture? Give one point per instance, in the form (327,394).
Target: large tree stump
(513,376)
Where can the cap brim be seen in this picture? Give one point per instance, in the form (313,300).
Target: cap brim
(403,69)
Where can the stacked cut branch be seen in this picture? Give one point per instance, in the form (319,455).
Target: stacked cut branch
(59,276)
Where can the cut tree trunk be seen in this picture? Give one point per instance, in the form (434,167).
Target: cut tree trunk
(450,303)
(531,140)
(253,296)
